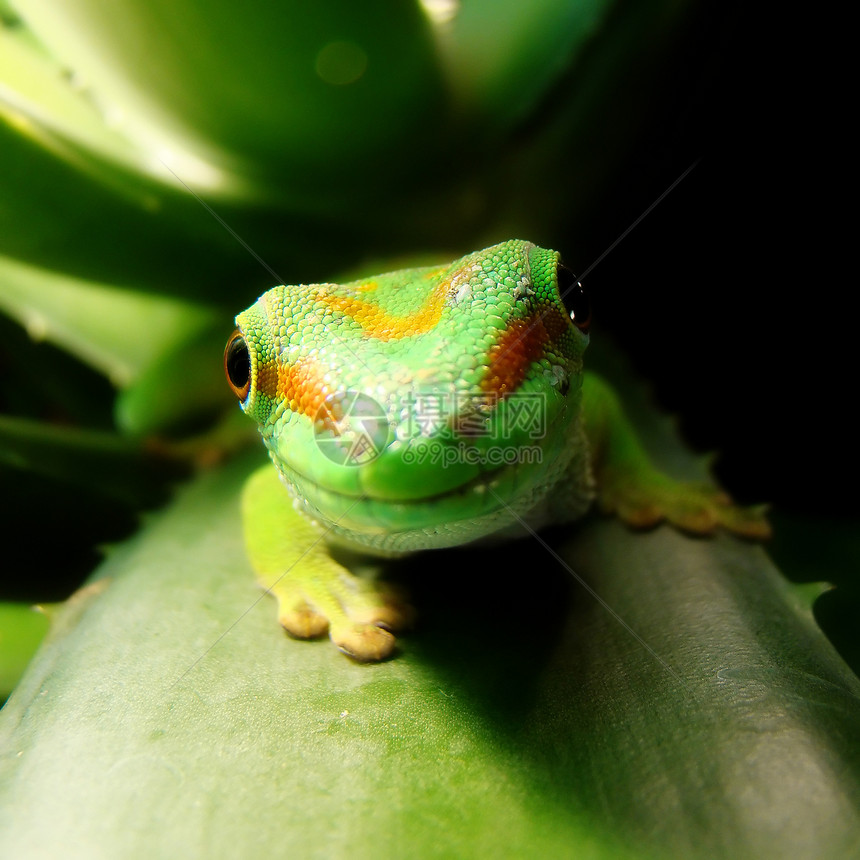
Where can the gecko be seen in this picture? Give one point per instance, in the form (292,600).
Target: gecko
(426,408)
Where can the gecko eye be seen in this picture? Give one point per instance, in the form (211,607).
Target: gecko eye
(574,297)
(237,365)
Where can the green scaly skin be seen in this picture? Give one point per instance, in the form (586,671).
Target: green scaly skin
(426,408)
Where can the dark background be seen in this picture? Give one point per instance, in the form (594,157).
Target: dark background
(729,296)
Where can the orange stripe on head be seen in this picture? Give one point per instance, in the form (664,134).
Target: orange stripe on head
(377,323)
(521,344)
(302,386)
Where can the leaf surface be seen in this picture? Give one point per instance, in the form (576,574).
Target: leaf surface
(701,714)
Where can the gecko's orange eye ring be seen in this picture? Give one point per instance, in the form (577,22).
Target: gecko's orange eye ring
(574,297)
(237,365)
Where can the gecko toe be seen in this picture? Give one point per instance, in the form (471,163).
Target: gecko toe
(366,643)
(302,622)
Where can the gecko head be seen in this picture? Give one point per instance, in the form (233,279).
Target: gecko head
(403,403)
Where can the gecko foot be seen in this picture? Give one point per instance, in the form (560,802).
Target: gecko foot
(695,508)
(358,614)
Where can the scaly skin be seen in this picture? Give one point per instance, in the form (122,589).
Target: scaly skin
(426,408)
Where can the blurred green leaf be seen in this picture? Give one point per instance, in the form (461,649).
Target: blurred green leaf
(22,629)
(105,462)
(42,101)
(501,56)
(60,210)
(119,332)
(805,547)
(455,131)
(302,96)
(181,387)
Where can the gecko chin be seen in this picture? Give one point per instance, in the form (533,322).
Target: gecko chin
(507,499)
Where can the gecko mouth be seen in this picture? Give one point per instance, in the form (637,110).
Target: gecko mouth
(479,504)
(477,485)
(419,484)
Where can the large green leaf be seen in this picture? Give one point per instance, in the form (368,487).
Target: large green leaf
(78,197)
(307,96)
(419,152)
(683,704)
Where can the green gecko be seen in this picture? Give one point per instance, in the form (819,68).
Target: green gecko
(425,408)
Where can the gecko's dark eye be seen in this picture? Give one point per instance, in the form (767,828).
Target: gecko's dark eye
(237,365)
(575,298)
